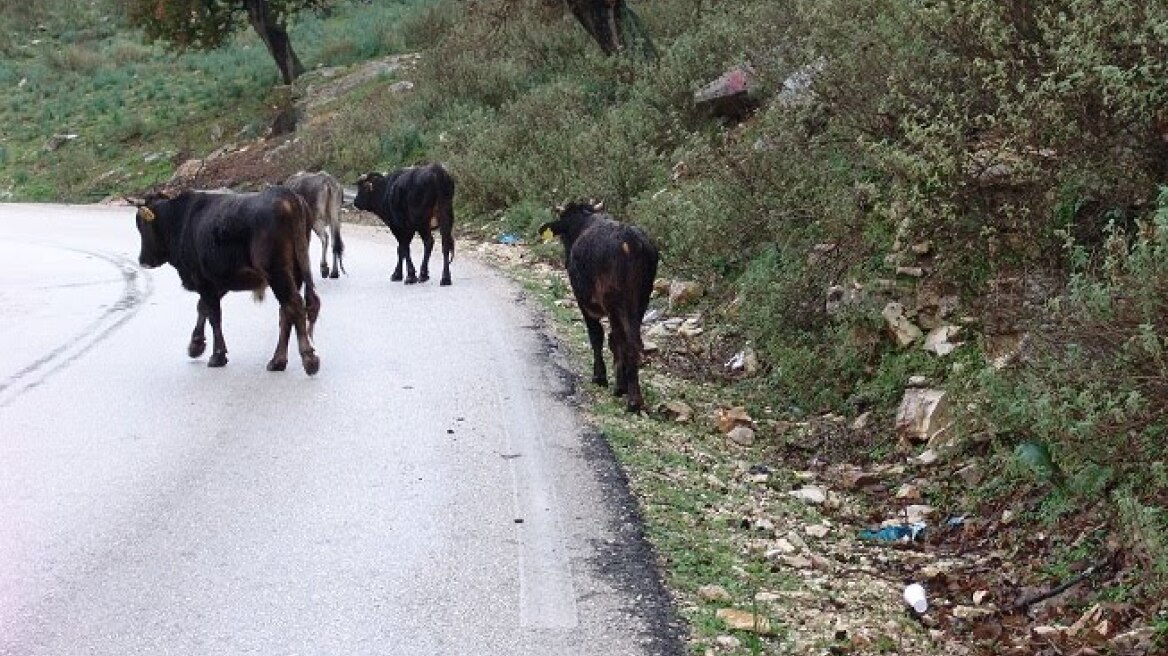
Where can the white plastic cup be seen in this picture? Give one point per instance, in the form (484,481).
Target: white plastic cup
(914,595)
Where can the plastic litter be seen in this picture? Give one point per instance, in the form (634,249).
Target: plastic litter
(510,239)
(914,595)
(894,533)
(737,362)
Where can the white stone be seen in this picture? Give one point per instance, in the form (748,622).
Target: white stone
(922,414)
(817,530)
(938,340)
(903,330)
(917,513)
(811,494)
(713,593)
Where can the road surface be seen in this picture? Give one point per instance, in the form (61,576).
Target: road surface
(429,492)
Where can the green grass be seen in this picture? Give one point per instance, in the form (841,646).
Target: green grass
(126,99)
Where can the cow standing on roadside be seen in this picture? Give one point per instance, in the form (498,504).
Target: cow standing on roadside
(323,195)
(611,267)
(411,201)
(236,242)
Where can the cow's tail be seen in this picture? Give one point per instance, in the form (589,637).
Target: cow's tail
(302,260)
(334,197)
(446,191)
(339,247)
(304,263)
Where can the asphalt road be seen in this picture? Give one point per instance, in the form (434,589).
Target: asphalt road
(429,492)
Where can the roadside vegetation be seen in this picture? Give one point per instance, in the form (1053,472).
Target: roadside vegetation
(998,168)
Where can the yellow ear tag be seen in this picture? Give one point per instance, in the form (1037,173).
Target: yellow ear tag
(146,213)
(547,235)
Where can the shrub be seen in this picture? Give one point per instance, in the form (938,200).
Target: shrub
(1093,386)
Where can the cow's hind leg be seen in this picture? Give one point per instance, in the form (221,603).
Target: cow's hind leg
(294,314)
(279,361)
(322,232)
(403,252)
(631,355)
(210,301)
(447,256)
(596,338)
(427,248)
(198,337)
(617,344)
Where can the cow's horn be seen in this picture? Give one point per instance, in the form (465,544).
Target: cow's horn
(146,213)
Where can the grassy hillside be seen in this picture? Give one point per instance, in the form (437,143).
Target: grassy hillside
(998,167)
(140,109)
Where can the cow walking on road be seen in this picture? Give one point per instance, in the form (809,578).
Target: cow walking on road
(611,267)
(236,242)
(413,201)
(323,194)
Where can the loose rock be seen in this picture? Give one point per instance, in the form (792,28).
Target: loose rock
(811,494)
(741,435)
(682,292)
(902,329)
(922,414)
(713,593)
(744,621)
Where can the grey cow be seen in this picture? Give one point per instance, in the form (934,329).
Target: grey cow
(323,195)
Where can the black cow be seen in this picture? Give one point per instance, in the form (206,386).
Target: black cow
(611,267)
(413,201)
(323,194)
(236,242)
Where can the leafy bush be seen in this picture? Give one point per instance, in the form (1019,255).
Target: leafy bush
(1093,386)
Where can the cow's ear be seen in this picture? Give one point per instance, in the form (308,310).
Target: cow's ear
(545,232)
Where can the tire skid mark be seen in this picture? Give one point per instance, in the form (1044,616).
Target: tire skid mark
(137,287)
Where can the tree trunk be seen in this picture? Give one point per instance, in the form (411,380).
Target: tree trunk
(275,37)
(613,26)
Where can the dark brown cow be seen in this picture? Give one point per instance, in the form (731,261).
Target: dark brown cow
(413,201)
(611,267)
(236,242)
(323,194)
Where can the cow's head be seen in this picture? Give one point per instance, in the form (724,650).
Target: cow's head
(151,228)
(365,186)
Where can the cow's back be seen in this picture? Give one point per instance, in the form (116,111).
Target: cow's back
(226,234)
(320,191)
(611,256)
(420,188)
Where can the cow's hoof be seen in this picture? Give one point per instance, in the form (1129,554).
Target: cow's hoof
(278,364)
(395,277)
(324,272)
(424,277)
(217,360)
(600,380)
(635,407)
(335,274)
(196,347)
(311,363)
(445,282)
(620,391)
(412,280)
